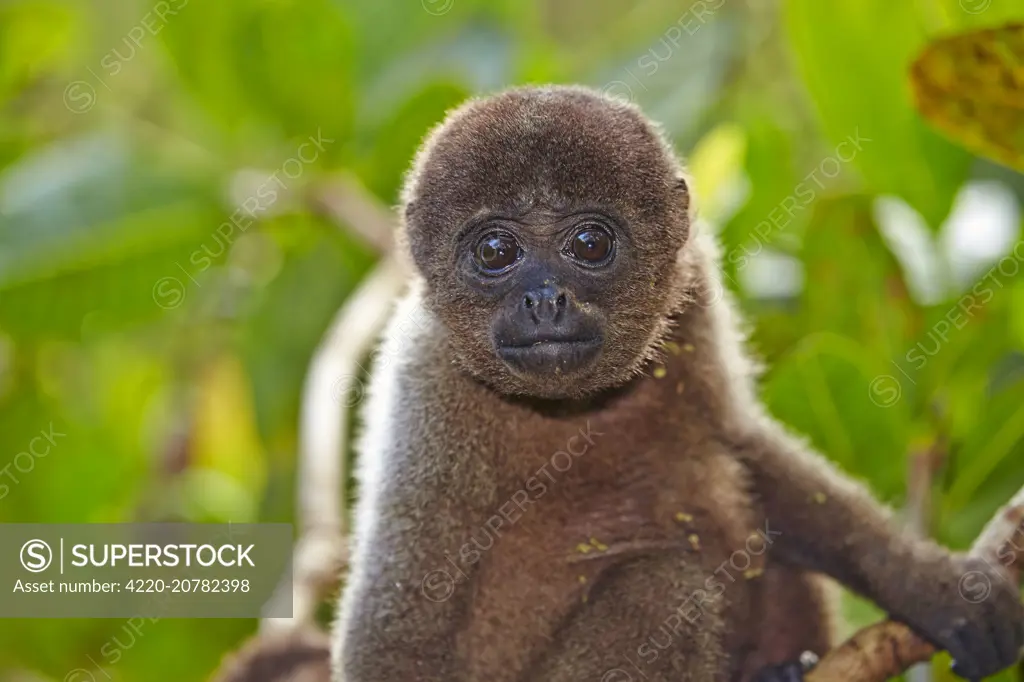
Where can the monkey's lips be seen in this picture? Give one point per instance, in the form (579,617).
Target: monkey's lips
(551,355)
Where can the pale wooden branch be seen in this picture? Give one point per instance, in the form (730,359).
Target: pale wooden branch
(302,655)
(887,649)
(345,200)
(296,649)
(334,385)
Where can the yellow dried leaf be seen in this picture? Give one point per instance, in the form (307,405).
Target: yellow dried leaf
(971,87)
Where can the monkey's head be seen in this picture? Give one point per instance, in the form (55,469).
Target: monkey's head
(547,223)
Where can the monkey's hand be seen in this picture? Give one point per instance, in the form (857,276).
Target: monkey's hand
(980,622)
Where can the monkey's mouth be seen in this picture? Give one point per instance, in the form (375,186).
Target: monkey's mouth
(545,356)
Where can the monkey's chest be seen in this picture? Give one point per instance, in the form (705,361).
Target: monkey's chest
(543,556)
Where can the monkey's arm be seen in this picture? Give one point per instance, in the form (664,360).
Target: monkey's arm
(885,650)
(408,588)
(403,599)
(421,484)
(825,522)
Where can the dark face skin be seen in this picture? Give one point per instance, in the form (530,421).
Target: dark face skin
(547,230)
(541,273)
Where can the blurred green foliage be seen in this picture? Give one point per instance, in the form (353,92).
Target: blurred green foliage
(170,349)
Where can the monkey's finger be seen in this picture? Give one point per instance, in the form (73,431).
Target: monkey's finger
(963,658)
(962,669)
(975,655)
(1007,643)
(990,657)
(958,671)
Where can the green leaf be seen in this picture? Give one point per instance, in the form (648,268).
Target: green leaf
(200,42)
(279,336)
(962,14)
(853,56)
(35,40)
(823,390)
(295,59)
(282,62)
(855,286)
(90,231)
(397,138)
(996,443)
(1017,295)
(769,164)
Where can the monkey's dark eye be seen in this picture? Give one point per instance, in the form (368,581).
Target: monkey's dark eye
(496,253)
(592,244)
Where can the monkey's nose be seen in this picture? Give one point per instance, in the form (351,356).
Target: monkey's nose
(545,304)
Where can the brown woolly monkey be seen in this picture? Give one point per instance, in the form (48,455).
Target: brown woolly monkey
(566,473)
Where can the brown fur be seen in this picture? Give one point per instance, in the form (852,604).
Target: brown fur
(642,519)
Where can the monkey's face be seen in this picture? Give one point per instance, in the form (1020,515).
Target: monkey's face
(542,275)
(547,224)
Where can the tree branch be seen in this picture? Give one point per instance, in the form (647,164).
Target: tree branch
(343,198)
(334,386)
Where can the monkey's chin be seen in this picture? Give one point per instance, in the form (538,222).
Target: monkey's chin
(547,360)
